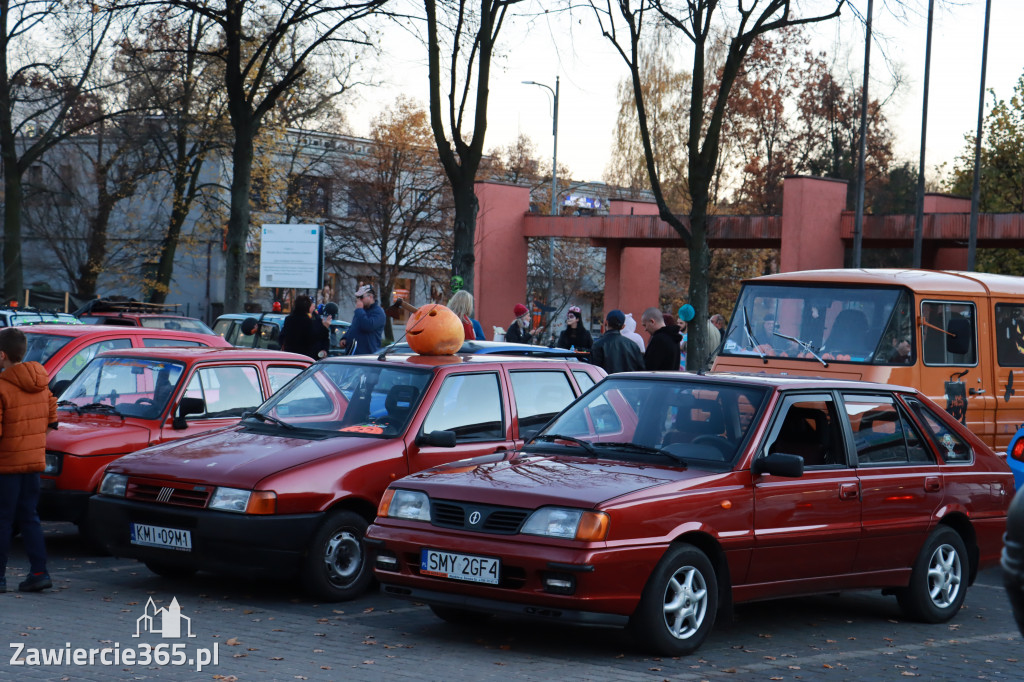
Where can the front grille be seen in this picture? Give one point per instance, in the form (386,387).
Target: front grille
(183,495)
(488,518)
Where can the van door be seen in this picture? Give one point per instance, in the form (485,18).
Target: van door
(954,374)
(1008,342)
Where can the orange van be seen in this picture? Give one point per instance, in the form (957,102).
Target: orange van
(956,336)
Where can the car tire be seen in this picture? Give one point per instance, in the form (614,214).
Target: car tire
(170,570)
(457,616)
(679,603)
(938,581)
(337,567)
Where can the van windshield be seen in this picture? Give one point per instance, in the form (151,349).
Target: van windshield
(866,325)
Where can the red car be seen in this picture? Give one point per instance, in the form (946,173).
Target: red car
(127,400)
(292,488)
(657,499)
(65,349)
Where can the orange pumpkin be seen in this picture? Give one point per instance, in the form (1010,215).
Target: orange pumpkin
(434,330)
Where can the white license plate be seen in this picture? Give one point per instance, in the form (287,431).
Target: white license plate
(475,569)
(157,536)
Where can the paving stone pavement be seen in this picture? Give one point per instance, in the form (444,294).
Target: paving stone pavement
(269,631)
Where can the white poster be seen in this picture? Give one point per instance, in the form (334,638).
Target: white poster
(291,256)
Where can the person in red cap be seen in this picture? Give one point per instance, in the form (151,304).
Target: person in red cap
(519,329)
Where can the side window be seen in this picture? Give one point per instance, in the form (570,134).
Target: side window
(279,376)
(584,380)
(228,391)
(266,337)
(539,396)
(166,343)
(80,359)
(1010,334)
(948,333)
(951,446)
(808,426)
(469,405)
(223,328)
(882,433)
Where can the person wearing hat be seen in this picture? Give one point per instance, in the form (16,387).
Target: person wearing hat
(575,335)
(364,335)
(613,352)
(519,329)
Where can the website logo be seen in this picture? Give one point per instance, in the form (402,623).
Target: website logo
(163,621)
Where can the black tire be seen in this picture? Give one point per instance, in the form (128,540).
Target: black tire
(938,581)
(337,567)
(457,616)
(170,570)
(679,603)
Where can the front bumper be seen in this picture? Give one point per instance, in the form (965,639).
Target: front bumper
(608,581)
(62,505)
(222,542)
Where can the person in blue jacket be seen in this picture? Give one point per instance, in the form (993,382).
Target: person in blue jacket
(364,335)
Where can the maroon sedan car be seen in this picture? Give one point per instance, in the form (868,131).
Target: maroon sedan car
(655,500)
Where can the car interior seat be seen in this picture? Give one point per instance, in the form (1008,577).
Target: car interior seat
(850,334)
(804,432)
(400,400)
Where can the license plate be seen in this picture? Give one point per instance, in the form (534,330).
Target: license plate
(476,569)
(156,536)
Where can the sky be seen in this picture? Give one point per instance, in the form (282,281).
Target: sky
(589,70)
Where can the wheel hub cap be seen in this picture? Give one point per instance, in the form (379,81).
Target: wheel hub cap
(944,576)
(686,602)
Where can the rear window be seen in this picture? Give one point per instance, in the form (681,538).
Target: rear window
(178,323)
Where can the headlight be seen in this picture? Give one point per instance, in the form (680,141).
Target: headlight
(114,485)
(408,504)
(53,463)
(229,499)
(570,524)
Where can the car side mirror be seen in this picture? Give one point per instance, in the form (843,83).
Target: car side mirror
(779,464)
(186,407)
(440,439)
(60,386)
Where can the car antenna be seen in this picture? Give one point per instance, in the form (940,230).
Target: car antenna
(394,309)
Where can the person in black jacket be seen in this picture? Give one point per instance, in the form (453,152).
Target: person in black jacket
(613,352)
(663,352)
(519,329)
(575,335)
(304,332)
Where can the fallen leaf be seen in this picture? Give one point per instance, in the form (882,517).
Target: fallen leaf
(277,658)
(367,662)
(232,642)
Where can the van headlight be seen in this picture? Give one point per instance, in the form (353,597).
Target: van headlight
(114,485)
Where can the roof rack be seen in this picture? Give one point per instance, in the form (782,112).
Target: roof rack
(32,310)
(105,305)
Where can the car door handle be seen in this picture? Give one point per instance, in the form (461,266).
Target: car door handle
(932,484)
(848,491)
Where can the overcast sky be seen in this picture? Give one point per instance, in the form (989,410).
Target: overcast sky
(541,49)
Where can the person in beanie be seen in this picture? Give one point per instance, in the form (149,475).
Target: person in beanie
(519,329)
(663,352)
(613,352)
(27,411)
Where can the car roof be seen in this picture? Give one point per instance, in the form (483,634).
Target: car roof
(203,354)
(277,318)
(116,330)
(925,282)
(440,361)
(774,381)
(482,347)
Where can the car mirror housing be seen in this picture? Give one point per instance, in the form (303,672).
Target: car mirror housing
(779,464)
(441,439)
(186,407)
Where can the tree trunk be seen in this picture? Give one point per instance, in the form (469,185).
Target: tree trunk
(184,191)
(463,257)
(13,198)
(238,221)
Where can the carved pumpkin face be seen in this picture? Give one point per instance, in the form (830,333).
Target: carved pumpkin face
(434,330)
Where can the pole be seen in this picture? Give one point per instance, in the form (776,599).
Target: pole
(858,223)
(972,242)
(919,214)
(554,200)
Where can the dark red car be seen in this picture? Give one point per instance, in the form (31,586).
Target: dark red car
(292,488)
(127,400)
(657,499)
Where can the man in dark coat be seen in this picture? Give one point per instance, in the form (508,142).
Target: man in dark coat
(613,352)
(663,351)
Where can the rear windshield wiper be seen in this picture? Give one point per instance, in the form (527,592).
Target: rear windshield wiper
(552,437)
(267,418)
(646,449)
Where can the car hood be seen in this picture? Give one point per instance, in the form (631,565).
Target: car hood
(238,457)
(97,435)
(530,481)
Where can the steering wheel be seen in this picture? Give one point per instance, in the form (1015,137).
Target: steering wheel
(723,445)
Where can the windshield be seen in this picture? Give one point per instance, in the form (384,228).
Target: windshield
(179,323)
(349,398)
(849,324)
(678,421)
(134,387)
(41,347)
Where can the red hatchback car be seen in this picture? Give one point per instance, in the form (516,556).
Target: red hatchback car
(657,499)
(126,400)
(292,488)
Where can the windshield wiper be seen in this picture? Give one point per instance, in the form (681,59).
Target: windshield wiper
(551,437)
(267,418)
(646,449)
(100,407)
(751,339)
(805,345)
(69,403)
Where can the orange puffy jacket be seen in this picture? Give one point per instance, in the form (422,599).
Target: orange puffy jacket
(26,409)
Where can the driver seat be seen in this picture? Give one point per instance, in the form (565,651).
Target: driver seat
(400,400)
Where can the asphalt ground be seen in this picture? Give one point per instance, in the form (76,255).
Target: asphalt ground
(271,631)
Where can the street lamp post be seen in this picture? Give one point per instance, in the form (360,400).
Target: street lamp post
(554,179)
